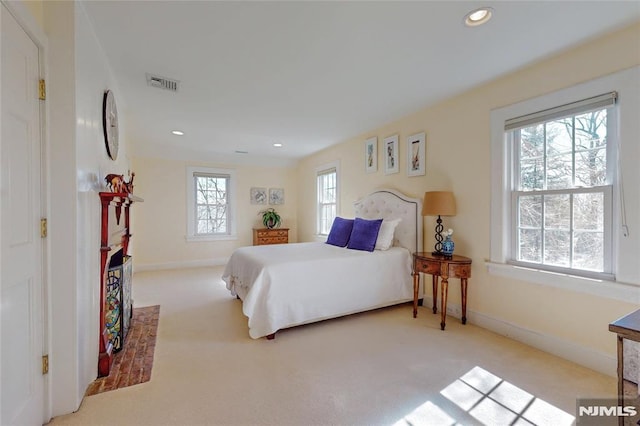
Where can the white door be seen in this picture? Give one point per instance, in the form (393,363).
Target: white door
(21,283)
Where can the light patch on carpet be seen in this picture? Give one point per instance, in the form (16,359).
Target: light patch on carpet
(490,400)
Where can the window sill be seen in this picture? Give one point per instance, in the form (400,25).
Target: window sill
(201,238)
(615,290)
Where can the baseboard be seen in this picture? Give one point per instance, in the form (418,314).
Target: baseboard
(179,265)
(587,357)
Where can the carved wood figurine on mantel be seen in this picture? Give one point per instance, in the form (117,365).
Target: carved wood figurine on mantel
(116,183)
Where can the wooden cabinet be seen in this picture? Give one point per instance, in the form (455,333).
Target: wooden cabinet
(264,236)
(627,327)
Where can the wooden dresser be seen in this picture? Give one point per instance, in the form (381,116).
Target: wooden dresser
(264,236)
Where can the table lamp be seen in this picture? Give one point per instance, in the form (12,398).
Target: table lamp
(438,203)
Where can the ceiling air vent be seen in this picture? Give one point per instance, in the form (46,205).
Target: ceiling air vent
(162,82)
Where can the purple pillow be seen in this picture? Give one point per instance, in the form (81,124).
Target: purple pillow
(364,234)
(340,232)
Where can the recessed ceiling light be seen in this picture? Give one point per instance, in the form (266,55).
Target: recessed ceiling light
(478,16)
(277,145)
(177,132)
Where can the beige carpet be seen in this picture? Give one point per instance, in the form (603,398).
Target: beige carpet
(377,368)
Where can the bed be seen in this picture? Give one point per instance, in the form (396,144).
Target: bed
(286,285)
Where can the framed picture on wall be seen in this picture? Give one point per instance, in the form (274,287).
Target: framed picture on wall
(391,157)
(258,195)
(416,158)
(371,155)
(276,196)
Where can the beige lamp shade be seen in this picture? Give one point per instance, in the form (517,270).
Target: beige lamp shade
(439,203)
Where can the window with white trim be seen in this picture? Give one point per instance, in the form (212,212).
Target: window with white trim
(327,197)
(622,154)
(210,204)
(563,171)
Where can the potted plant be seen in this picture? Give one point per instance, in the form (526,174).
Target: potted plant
(270,218)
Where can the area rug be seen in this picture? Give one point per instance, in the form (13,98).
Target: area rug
(132,365)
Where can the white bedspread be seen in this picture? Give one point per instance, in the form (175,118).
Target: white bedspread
(290,284)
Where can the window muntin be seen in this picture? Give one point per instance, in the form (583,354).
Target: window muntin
(327,191)
(562,192)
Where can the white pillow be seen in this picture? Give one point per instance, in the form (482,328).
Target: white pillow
(385,235)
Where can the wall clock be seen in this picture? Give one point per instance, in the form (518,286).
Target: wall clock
(110,124)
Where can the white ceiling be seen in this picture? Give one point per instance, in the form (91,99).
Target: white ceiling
(311,74)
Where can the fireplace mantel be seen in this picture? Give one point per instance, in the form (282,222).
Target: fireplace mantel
(113,236)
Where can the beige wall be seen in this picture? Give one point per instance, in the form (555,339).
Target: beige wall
(36,9)
(160,223)
(458,159)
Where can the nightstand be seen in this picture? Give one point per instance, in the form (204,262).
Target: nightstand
(264,236)
(445,267)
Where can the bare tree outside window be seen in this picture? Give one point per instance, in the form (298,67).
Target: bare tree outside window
(211,204)
(561,191)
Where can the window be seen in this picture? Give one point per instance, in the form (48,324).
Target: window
(327,192)
(563,175)
(559,170)
(210,209)
(211,204)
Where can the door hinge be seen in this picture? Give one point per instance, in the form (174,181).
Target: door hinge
(45,364)
(43,227)
(42,90)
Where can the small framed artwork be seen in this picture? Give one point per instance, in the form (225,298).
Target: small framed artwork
(391,155)
(276,196)
(416,147)
(258,195)
(371,155)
